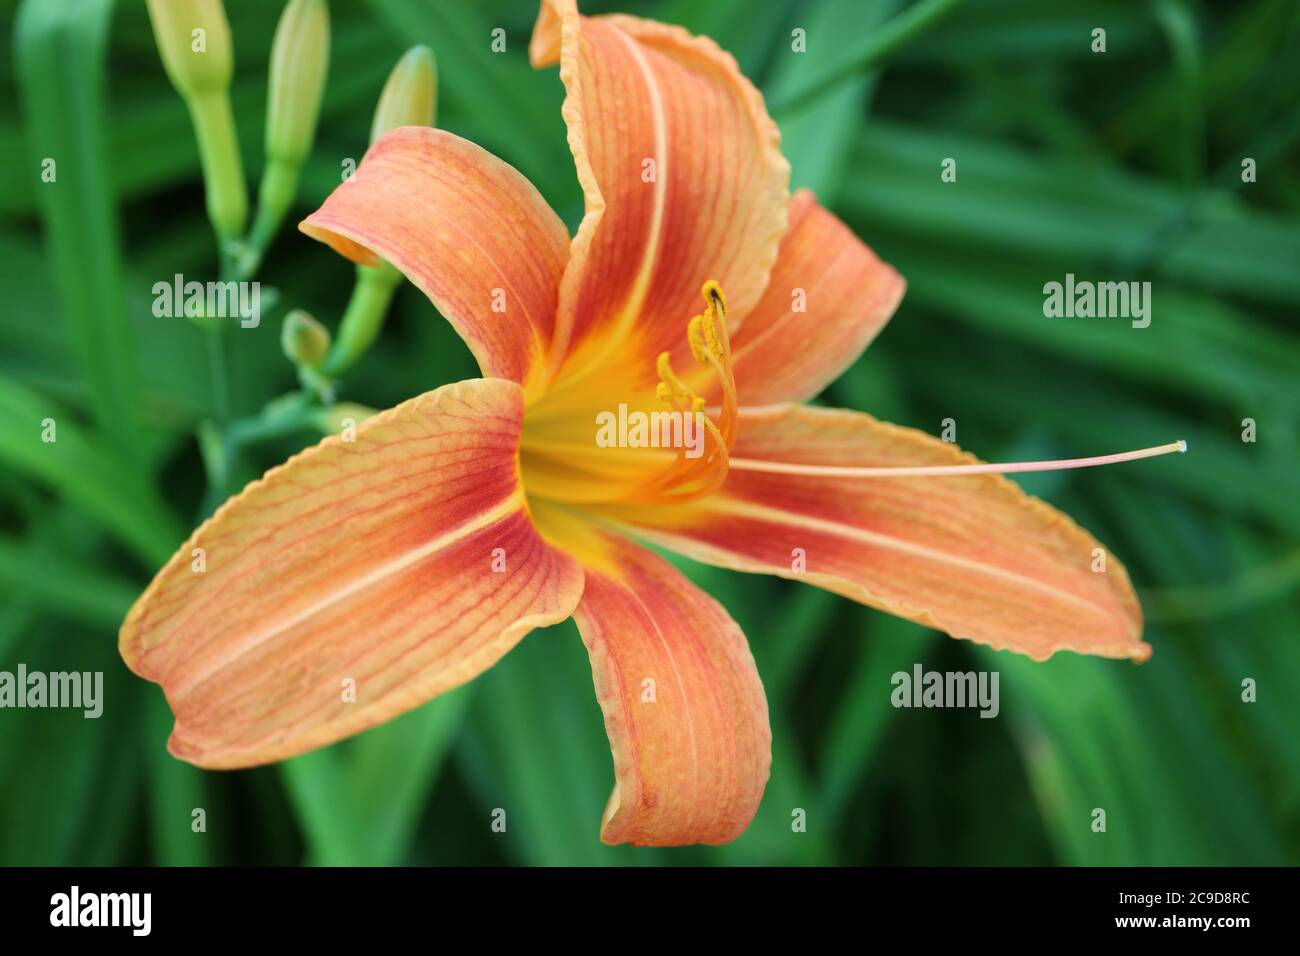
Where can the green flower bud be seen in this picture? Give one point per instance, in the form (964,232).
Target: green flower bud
(304,340)
(410,95)
(193,38)
(299,63)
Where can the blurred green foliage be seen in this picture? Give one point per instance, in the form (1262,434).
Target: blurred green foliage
(1117,165)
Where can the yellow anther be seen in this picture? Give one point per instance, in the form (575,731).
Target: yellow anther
(712,292)
(702,332)
(663,366)
(697,335)
(711,334)
(669,382)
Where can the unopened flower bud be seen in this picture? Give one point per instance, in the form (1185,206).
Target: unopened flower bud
(304,340)
(299,64)
(193,38)
(410,95)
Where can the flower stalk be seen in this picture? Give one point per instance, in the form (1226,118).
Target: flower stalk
(194,42)
(364,317)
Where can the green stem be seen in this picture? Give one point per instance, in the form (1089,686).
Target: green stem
(283,417)
(220,448)
(364,317)
(214,328)
(223,171)
(214,447)
(216,467)
(903,28)
(216,340)
(275,198)
(1179,27)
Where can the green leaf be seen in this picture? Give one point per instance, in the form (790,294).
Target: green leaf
(818,134)
(176,790)
(60,53)
(535,749)
(864,710)
(81,754)
(1010,202)
(85,472)
(360,801)
(35,575)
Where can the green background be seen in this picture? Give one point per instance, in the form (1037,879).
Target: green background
(1122,165)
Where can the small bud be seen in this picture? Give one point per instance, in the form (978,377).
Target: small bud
(299,64)
(304,340)
(193,37)
(410,94)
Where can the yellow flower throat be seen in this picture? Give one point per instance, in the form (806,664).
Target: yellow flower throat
(563,460)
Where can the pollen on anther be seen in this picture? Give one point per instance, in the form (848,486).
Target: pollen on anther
(713,292)
(698,337)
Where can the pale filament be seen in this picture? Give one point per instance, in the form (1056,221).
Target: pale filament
(921,471)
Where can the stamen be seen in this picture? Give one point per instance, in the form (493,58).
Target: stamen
(698,338)
(669,380)
(982,468)
(706,334)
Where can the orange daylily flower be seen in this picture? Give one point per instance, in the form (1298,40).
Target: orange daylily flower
(413,558)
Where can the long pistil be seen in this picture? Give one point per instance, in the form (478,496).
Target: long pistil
(981,468)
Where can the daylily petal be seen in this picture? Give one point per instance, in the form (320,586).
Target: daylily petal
(371,561)
(683,177)
(465,227)
(684,709)
(971,555)
(845,295)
